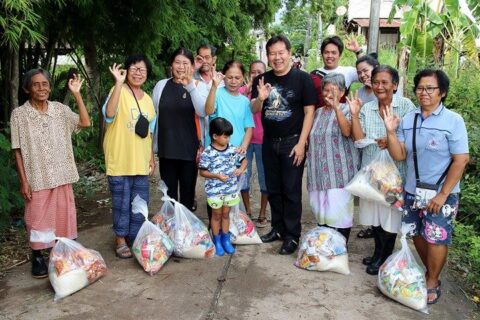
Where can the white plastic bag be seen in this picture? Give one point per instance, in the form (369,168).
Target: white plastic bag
(323,249)
(190,236)
(72,267)
(242,228)
(402,279)
(152,247)
(362,143)
(379,181)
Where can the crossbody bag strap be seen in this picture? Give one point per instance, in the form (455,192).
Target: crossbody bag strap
(414,148)
(134,98)
(415,162)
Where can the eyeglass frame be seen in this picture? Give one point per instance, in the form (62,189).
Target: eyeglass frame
(419,90)
(141,70)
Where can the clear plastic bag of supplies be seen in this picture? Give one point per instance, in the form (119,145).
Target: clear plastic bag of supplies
(379,181)
(402,279)
(242,229)
(71,266)
(152,247)
(190,236)
(323,249)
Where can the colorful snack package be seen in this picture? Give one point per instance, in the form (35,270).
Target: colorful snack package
(242,228)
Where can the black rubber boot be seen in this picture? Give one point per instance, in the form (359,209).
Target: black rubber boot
(345,232)
(388,243)
(39,267)
(378,247)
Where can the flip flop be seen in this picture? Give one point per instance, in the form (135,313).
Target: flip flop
(436,291)
(123,251)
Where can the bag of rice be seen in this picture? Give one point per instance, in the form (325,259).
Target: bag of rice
(379,181)
(72,267)
(190,236)
(402,279)
(323,249)
(152,247)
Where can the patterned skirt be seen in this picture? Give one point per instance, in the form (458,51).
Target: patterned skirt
(51,210)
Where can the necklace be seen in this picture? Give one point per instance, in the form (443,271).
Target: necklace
(40,109)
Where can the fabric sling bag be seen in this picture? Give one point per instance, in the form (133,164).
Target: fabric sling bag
(424,192)
(141,127)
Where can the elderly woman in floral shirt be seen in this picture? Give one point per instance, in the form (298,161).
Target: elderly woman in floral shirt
(41,140)
(332,159)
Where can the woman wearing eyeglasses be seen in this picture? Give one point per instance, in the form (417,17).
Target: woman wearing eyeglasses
(367,122)
(128,156)
(434,142)
(177,134)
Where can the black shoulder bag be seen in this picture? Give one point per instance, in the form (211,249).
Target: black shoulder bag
(141,127)
(424,192)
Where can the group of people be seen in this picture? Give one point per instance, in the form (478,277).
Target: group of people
(200,121)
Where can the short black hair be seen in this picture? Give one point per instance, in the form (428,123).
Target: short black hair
(182,52)
(259,62)
(335,40)
(134,58)
(213,50)
(233,63)
(442,79)
(27,78)
(392,71)
(278,38)
(220,126)
(371,59)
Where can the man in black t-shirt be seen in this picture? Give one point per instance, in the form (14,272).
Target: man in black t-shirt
(287,98)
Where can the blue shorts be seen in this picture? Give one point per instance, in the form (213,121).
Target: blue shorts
(434,228)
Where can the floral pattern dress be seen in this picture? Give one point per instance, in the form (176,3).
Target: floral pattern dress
(332,161)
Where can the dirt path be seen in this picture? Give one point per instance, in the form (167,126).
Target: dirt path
(259,284)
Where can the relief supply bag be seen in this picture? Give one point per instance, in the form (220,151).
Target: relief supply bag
(71,266)
(323,249)
(379,181)
(402,279)
(190,236)
(152,247)
(242,228)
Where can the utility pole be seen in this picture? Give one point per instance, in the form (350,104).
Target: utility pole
(374,27)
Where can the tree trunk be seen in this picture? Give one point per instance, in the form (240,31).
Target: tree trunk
(308,40)
(319,36)
(94,76)
(402,70)
(14,78)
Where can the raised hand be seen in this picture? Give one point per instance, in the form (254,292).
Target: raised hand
(355,104)
(217,78)
(199,62)
(352,44)
(118,73)
(391,120)
(187,77)
(263,89)
(75,84)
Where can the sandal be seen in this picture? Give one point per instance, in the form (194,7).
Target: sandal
(123,251)
(365,233)
(435,291)
(262,222)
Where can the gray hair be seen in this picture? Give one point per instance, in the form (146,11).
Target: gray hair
(337,79)
(27,78)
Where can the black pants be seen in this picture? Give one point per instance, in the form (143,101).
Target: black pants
(284,185)
(179,173)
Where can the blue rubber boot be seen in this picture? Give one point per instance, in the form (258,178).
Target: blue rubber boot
(218,245)
(227,245)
